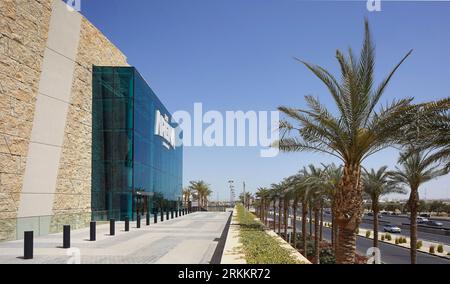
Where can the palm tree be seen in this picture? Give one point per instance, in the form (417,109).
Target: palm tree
(377,184)
(287,196)
(275,192)
(305,201)
(317,184)
(333,175)
(246,199)
(416,169)
(296,191)
(187,193)
(357,132)
(431,131)
(263,194)
(279,189)
(202,192)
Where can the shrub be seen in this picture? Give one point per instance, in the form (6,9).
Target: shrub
(382,237)
(431,250)
(259,247)
(368,233)
(388,237)
(440,249)
(419,244)
(397,241)
(327,256)
(404,240)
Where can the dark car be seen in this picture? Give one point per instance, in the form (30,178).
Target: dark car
(425,215)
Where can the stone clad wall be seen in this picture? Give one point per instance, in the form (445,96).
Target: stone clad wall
(24,32)
(73,192)
(23,36)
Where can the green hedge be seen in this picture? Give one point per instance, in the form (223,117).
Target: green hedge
(259,247)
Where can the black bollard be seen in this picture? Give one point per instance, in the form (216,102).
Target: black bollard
(171,214)
(147,219)
(28,245)
(127,224)
(66,236)
(176,213)
(162,215)
(93,231)
(155,216)
(112,227)
(138,221)
(167,214)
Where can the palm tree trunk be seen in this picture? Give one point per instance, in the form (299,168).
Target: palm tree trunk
(274,216)
(316,235)
(321,222)
(279,215)
(346,247)
(413,204)
(349,210)
(304,214)
(310,222)
(334,226)
(286,212)
(335,234)
(263,214)
(375,209)
(294,224)
(332,230)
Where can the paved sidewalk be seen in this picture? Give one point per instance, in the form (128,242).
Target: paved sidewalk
(190,239)
(233,253)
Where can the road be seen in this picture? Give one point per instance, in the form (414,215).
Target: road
(390,254)
(398,221)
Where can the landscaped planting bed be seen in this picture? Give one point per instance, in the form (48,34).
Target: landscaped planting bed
(258,246)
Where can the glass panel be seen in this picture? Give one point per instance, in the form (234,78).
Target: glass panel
(132,168)
(112,145)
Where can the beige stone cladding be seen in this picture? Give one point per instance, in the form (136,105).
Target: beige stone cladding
(72,203)
(23,34)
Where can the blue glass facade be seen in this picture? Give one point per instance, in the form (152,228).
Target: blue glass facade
(134,169)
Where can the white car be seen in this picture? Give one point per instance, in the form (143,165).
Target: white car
(392,229)
(421,220)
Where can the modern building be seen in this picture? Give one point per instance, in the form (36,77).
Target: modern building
(136,164)
(77,140)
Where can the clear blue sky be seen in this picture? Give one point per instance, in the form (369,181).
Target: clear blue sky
(237,55)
